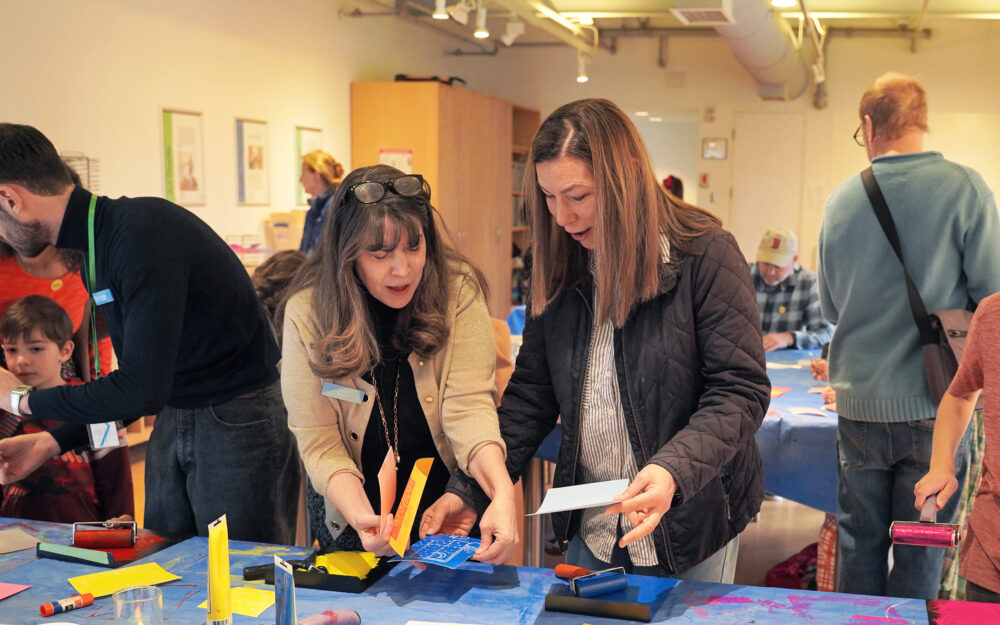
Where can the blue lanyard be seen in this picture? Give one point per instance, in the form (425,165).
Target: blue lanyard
(92,284)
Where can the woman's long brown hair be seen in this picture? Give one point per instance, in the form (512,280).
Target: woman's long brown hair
(348,346)
(631,213)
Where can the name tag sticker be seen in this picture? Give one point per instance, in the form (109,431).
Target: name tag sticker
(346,393)
(103,297)
(104,435)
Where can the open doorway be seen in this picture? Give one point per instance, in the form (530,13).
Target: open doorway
(673,146)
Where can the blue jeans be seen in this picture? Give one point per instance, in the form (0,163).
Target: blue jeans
(236,458)
(879,465)
(718,567)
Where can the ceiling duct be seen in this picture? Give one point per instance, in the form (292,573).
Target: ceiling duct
(703,12)
(764,43)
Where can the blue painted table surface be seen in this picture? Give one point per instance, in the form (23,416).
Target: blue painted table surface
(474,593)
(799,451)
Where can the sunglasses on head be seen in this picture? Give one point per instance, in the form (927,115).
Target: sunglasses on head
(371,191)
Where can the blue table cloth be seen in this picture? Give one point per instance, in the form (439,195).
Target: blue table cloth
(473,593)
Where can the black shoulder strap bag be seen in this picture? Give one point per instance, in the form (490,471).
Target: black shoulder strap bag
(942,333)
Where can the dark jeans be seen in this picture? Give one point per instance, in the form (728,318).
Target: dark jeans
(880,463)
(975,592)
(236,458)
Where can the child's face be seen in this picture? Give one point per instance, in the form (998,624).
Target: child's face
(37,361)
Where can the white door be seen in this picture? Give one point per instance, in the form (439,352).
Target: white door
(767,176)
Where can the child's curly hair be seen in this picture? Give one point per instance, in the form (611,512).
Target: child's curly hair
(271,279)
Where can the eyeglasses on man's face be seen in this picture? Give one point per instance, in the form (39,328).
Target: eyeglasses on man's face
(859,136)
(371,191)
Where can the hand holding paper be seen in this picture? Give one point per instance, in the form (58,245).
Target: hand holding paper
(645,501)
(374,531)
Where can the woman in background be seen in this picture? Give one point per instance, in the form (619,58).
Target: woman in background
(321,173)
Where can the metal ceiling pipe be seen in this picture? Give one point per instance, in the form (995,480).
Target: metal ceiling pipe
(764,43)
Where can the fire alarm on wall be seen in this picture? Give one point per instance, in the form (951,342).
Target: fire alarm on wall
(703,180)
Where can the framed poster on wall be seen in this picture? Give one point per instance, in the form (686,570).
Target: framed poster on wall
(252,177)
(306,140)
(183,158)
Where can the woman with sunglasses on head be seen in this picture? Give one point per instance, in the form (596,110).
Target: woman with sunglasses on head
(643,335)
(392,322)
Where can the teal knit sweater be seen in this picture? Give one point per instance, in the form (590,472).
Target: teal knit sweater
(949,230)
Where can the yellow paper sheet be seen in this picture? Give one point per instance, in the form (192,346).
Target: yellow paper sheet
(248,601)
(107,582)
(407,510)
(354,563)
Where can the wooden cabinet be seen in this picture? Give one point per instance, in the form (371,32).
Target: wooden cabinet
(461,143)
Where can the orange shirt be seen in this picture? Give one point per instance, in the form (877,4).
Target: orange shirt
(67,291)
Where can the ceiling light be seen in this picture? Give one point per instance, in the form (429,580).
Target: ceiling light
(587,20)
(459,12)
(783,4)
(581,66)
(515,28)
(481,32)
(656,119)
(642,113)
(440,12)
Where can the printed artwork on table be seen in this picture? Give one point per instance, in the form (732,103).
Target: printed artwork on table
(440,549)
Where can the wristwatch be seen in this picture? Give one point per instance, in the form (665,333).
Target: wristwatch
(16,395)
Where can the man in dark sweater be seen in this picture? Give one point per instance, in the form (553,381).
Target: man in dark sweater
(193,344)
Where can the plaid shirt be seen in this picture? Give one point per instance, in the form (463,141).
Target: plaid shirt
(792,305)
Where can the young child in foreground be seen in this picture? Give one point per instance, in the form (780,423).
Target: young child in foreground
(79,485)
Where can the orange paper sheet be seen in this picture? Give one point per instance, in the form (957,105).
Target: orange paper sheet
(778,391)
(407,511)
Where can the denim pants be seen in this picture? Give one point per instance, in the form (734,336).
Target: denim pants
(880,463)
(718,567)
(236,458)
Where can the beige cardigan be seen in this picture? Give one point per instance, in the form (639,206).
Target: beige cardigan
(456,387)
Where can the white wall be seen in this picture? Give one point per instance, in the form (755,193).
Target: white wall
(93,75)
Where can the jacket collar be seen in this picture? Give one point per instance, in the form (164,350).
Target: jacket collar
(73,230)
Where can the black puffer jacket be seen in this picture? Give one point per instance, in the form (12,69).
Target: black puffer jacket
(694,389)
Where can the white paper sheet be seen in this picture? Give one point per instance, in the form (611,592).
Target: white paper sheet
(581,496)
(779,365)
(816,412)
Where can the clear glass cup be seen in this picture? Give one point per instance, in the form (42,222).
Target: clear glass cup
(138,605)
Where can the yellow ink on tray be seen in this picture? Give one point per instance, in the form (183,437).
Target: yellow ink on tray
(219,607)
(407,510)
(353,563)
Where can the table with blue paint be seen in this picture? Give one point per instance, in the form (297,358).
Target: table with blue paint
(799,450)
(473,593)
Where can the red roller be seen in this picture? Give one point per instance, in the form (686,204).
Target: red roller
(103,539)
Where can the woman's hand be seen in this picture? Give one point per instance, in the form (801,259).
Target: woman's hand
(374,533)
(499,530)
(448,515)
(645,501)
